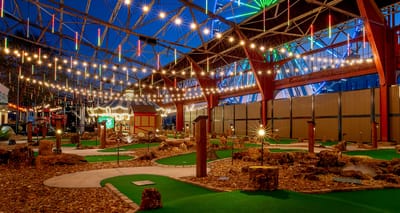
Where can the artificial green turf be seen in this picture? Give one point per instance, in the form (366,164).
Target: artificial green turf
(104,158)
(190,158)
(281,141)
(83,143)
(130,147)
(182,197)
(328,143)
(170,189)
(383,154)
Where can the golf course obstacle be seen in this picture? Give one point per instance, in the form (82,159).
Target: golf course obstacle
(151,199)
(264,177)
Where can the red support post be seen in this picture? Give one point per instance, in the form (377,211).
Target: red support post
(201,146)
(179,117)
(381,39)
(265,82)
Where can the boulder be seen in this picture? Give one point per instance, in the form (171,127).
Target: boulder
(151,199)
(396,170)
(264,177)
(148,156)
(397,147)
(328,158)
(390,178)
(355,174)
(21,156)
(43,161)
(212,154)
(183,147)
(341,146)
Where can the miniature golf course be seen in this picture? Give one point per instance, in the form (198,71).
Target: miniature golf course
(130,147)
(106,158)
(383,154)
(183,197)
(83,143)
(190,158)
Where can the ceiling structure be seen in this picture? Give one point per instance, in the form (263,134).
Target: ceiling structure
(122,44)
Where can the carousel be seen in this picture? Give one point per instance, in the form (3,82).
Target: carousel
(133,117)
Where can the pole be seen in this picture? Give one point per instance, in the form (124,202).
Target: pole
(262,151)
(17,117)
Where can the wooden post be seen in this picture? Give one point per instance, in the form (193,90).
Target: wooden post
(311,139)
(29,131)
(103,134)
(374,134)
(201,145)
(58,134)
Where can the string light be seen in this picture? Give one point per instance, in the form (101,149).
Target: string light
(329,25)
(76,40)
(2,9)
(138,48)
(175,57)
(27,28)
(98,37)
(312,36)
(52,23)
(119,53)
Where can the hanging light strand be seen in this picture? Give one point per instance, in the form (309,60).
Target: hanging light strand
(329,25)
(2,9)
(52,23)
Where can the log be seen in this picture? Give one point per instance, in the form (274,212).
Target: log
(46,147)
(264,177)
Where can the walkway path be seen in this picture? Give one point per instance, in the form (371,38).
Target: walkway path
(92,178)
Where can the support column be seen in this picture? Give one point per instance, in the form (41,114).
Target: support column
(212,101)
(179,117)
(381,38)
(265,82)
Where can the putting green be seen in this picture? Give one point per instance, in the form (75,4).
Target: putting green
(83,143)
(328,143)
(106,158)
(182,197)
(190,158)
(130,147)
(281,141)
(383,154)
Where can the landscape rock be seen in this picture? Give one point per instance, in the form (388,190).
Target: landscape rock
(46,147)
(151,199)
(328,158)
(390,178)
(44,161)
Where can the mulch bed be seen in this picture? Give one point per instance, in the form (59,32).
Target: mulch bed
(23,190)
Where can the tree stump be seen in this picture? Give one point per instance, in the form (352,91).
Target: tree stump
(45,147)
(151,199)
(264,177)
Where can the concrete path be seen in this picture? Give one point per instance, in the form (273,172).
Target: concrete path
(92,178)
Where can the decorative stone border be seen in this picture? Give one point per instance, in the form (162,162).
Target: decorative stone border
(134,206)
(348,189)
